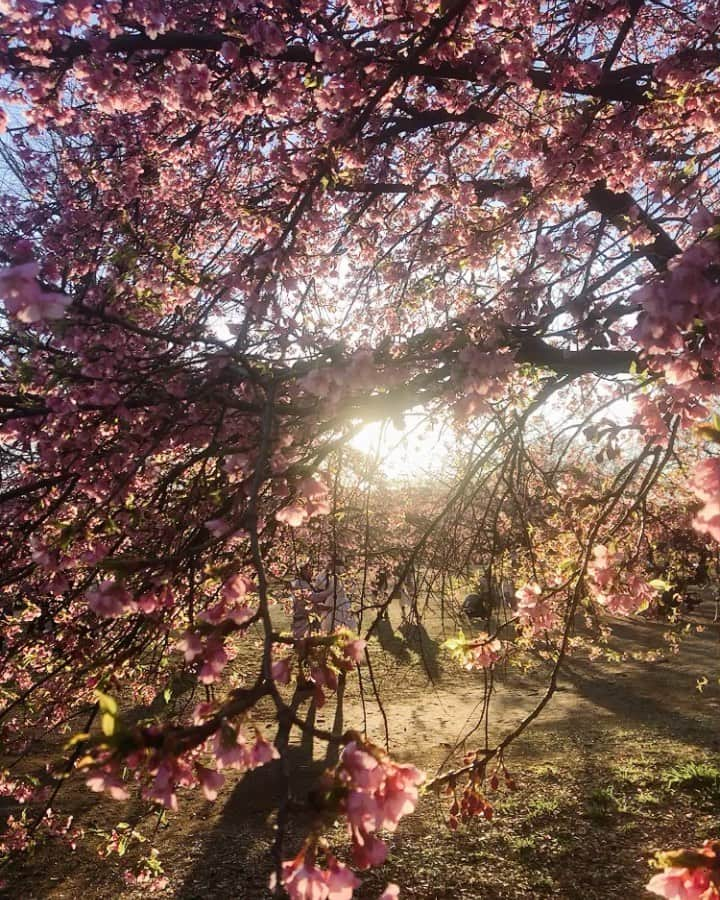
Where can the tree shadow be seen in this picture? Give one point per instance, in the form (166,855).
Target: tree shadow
(653,708)
(391,643)
(427,648)
(235,859)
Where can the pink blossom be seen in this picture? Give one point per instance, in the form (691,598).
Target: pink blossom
(400,795)
(215,660)
(601,567)
(190,645)
(484,653)
(364,771)
(262,752)
(41,556)
(110,600)
(151,601)
(100,780)
(303,880)
(171,772)
(236,587)
(354,650)
(368,851)
(210,781)
(707,520)
(311,488)
(25,299)
(341,880)
(702,218)
(293,515)
(231,750)
(280,670)
(391,892)
(705,481)
(533,611)
(682,884)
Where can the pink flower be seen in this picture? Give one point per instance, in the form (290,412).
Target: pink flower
(311,488)
(380,793)
(100,780)
(232,752)
(341,881)
(280,670)
(400,794)
(702,218)
(302,880)
(485,653)
(534,612)
(391,892)
(293,515)
(707,521)
(262,752)
(601,567)
(363,811)
(110,600)
(368,850)
(683,884)
(706,485)
(210,781)
(25,299)
(355,650)
(41,556)
(215,661)
(190,645)
(236,587)
(364,770)
(162,790)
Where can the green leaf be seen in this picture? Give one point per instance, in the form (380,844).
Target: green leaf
(106,703)
(659,585)
(107,723)
(77,739)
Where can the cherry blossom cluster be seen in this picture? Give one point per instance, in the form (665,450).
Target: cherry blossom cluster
(621,592)
(705,483)
(25,298)
(319,661)
(688,874)
(311,500)
(204,645)
(162,772)
(480,652)
(374,794)
(536,614)
(379,794)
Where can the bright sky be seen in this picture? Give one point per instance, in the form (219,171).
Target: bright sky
(416,450)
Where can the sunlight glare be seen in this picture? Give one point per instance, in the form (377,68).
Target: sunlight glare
(416,450)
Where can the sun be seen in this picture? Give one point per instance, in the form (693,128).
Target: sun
(420,448)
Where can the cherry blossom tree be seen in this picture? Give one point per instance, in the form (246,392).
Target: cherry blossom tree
(237,232)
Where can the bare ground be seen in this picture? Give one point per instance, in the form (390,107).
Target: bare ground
(604,777)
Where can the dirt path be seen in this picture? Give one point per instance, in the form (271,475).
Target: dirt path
(646,717)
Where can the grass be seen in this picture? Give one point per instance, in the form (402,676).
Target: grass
(582,826)
(699,778)
(604,803)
